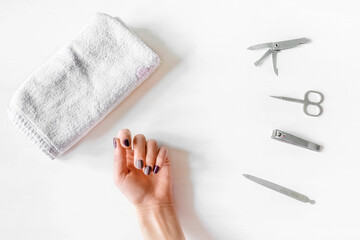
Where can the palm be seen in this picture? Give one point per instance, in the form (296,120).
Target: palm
(141,189)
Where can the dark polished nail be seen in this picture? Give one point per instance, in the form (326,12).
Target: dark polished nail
(139,164)
(114,142)
(147,170)
(156,169)
(126,143)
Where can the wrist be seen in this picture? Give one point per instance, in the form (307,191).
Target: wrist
(146,209)
(154,213)
(159,221)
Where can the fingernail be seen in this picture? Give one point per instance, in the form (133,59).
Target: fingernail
(139,164)
(147,170)
(114,142)
(126,143)
(156,169)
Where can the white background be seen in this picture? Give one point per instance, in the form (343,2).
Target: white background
(211,106)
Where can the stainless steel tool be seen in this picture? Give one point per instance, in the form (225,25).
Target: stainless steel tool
(275,47)
(289,138)
(307,102)
(280,189)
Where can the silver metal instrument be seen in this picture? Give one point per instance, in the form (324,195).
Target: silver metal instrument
(288,138)
(275,47)
(280,189)
(307,102)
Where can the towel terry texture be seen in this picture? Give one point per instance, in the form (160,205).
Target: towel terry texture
(77,87)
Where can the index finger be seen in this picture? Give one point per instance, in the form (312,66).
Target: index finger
(120,168)
(125,138)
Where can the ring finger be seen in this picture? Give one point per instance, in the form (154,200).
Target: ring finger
(151,153)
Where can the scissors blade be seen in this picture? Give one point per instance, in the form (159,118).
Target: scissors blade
(290,43)
(258,62)
(261,46)
(280,189)
(274,54)
(289,99)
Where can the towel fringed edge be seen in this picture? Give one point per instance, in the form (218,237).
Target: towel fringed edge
(26,127)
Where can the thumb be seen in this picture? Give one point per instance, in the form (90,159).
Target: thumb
(120,168)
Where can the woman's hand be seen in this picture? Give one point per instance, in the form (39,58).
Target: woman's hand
(143,175)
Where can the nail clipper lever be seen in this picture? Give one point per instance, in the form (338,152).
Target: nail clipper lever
(288,138)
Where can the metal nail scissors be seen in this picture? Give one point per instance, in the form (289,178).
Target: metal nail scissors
(275,47)
(307,102)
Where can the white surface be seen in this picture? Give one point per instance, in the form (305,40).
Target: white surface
(210,104)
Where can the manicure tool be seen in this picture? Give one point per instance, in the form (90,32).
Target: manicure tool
(307,102)
(275,47)
(280,189)
(288,138)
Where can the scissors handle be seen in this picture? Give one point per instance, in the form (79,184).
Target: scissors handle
(306,105)
(308,102)
(307,99)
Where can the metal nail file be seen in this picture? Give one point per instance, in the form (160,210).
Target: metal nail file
(280,189)
(289,138)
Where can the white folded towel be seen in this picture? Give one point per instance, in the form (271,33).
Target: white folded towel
(84,81)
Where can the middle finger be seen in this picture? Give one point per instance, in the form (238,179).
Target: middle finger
(139,150)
